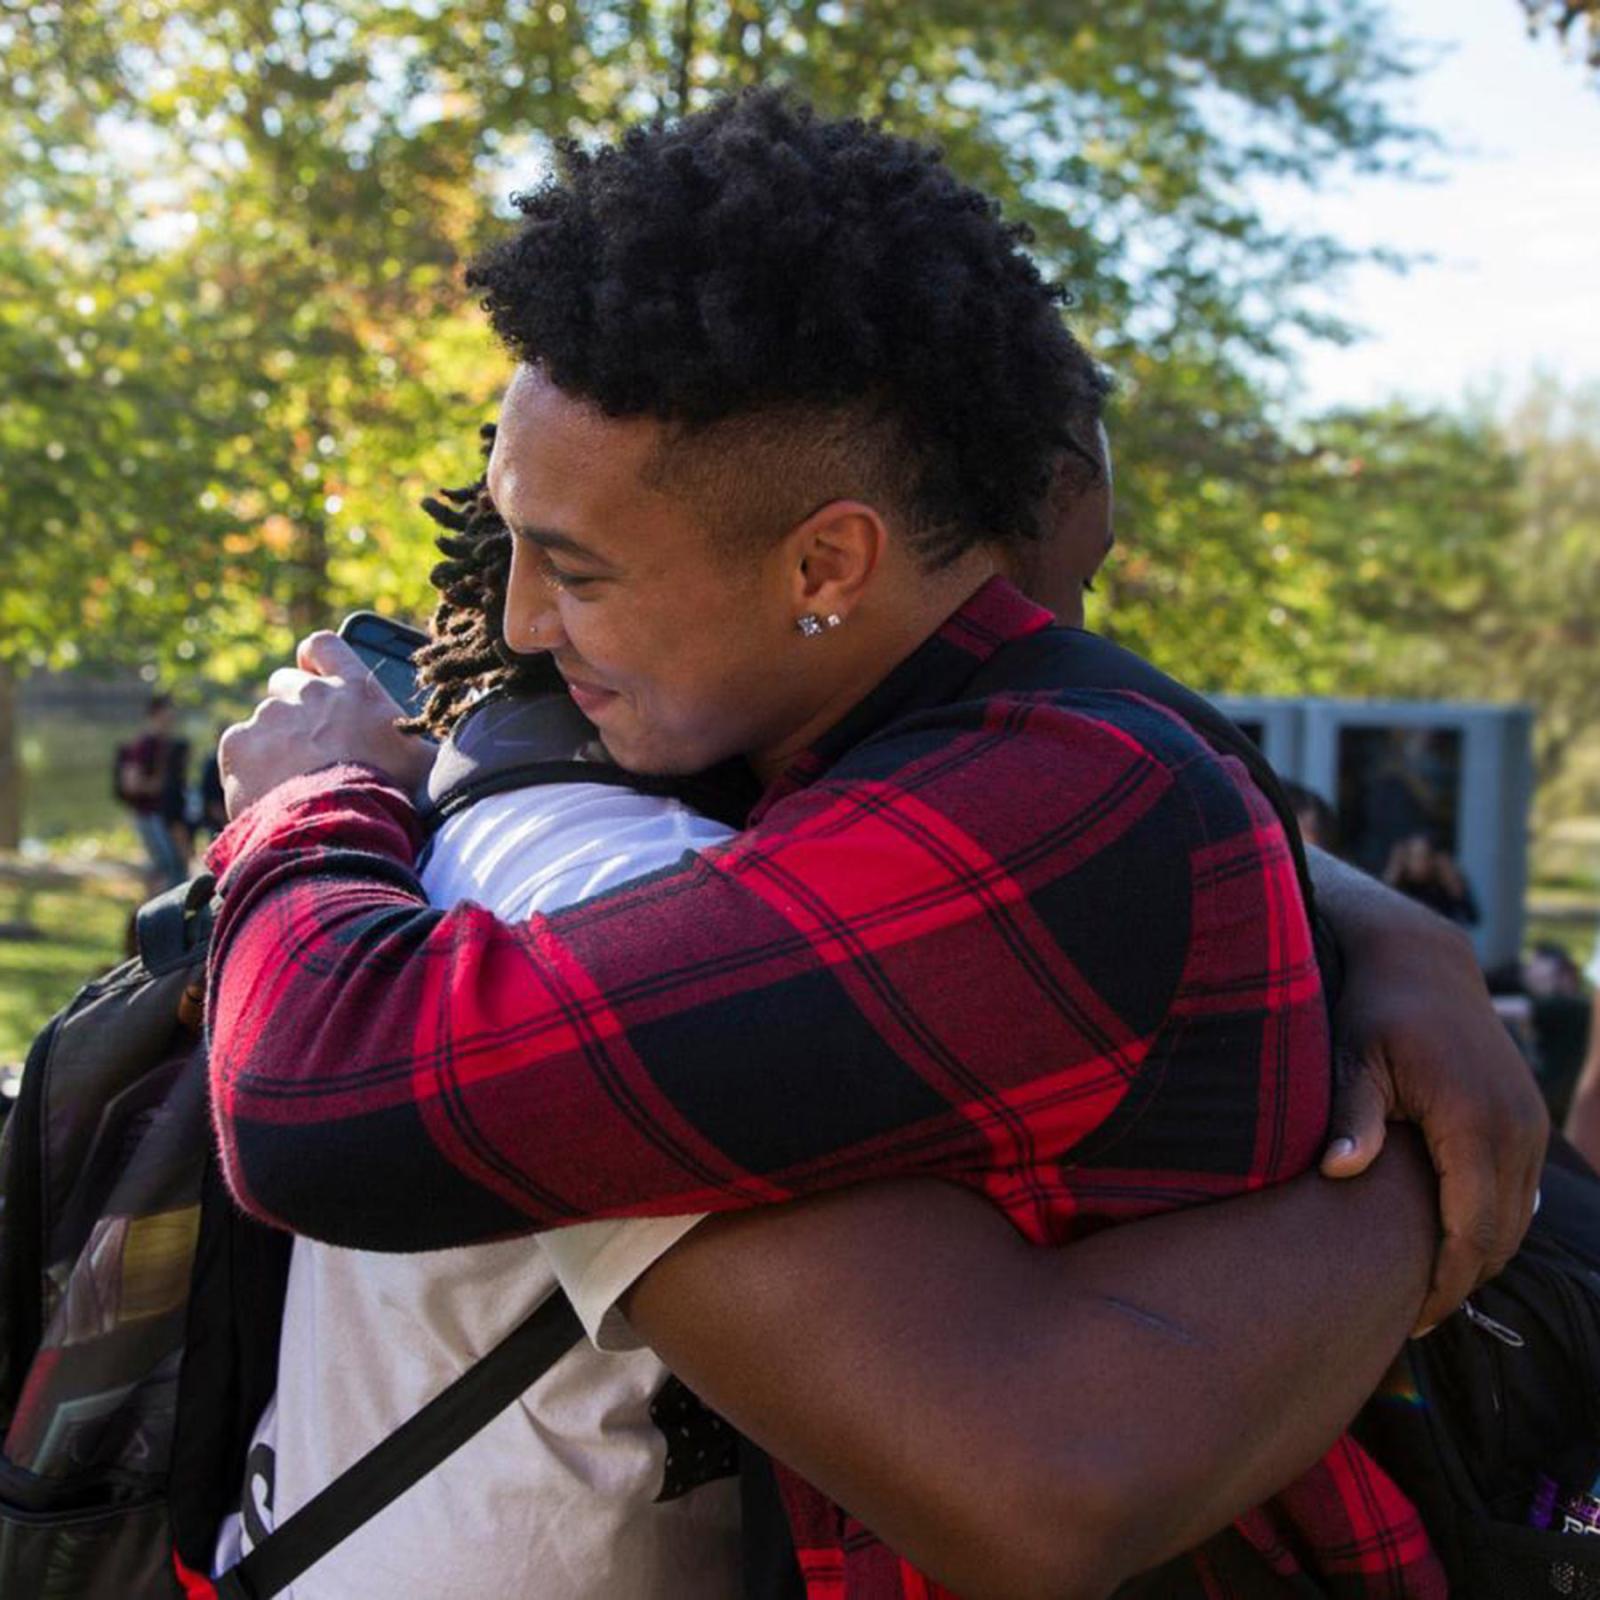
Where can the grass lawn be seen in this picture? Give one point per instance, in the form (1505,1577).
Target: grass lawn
(76,932)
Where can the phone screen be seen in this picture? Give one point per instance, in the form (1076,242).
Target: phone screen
(387,648)
(399,679)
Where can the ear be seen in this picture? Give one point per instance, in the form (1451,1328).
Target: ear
(1077,538)
(834,556)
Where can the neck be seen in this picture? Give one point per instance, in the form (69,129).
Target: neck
(878,637)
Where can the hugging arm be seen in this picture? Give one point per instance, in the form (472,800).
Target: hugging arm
(387,1076)
(1417,1040)
(1019,1421)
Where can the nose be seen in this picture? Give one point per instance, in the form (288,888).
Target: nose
(532,621)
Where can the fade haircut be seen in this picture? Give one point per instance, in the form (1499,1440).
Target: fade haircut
(816,309)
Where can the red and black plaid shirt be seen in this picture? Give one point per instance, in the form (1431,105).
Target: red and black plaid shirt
(817,1002)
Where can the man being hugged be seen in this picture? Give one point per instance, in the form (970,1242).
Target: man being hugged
(787,400)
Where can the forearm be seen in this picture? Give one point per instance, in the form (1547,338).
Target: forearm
(773,1018)
(390,1076)
(1019,1421)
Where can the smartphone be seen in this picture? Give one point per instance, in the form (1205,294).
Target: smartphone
(387,647)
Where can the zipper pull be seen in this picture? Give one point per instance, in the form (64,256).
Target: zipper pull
(1495,1330)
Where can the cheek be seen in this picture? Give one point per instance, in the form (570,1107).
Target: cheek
(733,698)
(702,671)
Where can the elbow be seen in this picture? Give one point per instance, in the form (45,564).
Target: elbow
(1067,1573)
(1072,1566)
(1063,1544)
(1091,1564)
(1102,1518)
(257,1200)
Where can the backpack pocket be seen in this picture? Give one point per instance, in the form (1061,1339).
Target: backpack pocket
(1502,1402)
(121,1552)
(1505,1562)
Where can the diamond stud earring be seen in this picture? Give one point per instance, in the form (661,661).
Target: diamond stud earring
(812,626)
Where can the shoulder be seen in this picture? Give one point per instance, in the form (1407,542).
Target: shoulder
(1028,744)
(1094,795)
(1102,787)
(547,846)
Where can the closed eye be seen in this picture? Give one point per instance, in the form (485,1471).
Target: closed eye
(572,582)
(556,577)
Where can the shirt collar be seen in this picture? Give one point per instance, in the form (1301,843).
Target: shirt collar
(932,675)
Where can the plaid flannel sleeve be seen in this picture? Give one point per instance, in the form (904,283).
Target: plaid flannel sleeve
(952,956)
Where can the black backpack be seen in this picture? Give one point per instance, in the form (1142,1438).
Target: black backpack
(140,1309)
(121,759)
(1499,1409)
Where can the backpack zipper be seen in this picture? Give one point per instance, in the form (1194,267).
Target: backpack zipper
(1496,1330)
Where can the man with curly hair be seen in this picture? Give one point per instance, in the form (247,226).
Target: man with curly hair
(790,401)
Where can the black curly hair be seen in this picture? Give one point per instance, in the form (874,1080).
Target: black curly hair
(466,656)
(817,308)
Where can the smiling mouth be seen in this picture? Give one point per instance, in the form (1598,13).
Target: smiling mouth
(589,697)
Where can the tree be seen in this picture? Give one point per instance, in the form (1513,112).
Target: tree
(1347,556)
(1567,19)
(1539,640)
(104,437)
(294,186)
(1450,555)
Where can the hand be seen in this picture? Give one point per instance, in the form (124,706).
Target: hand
(1417,1040)
(327,708)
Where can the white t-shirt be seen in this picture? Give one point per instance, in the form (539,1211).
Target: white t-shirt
(557,1498)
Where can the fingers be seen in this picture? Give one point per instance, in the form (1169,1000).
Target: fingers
(287,683)
(234,798)
(1468,1206)
(1488,1184)
(328,656)
(1357,1123)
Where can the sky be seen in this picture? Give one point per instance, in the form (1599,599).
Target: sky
(1512,223)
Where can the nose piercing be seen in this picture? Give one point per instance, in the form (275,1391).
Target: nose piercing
(813,626)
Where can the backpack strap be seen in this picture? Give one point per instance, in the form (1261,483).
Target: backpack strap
(519,741)
(454,1415)
(705,795)
(174,929)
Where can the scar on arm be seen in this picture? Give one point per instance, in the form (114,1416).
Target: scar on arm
(1147,1319)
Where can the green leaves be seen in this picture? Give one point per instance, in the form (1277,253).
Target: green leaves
(234,349)
(1570,19)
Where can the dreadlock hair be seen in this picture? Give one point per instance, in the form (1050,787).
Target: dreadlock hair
(816,309)
(466,657)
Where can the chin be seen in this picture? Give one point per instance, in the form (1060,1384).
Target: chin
(650,761)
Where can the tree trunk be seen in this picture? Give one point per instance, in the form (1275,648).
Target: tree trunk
(10,760)
(685,57)
(308,579)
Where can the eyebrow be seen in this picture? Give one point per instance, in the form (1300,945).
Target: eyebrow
(548,538)
(554,539)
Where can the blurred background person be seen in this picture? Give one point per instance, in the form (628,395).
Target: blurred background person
(1319,826)
(145,769)
(213,816)
(1421,869)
